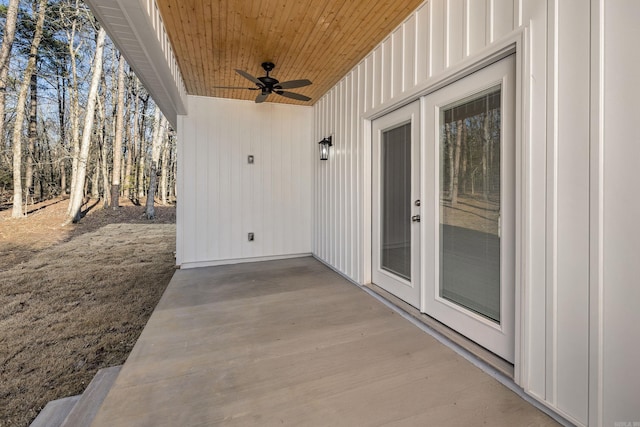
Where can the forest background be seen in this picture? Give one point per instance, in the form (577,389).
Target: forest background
(85,255)
(74,119)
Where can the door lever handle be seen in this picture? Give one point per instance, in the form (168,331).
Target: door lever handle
(415,218)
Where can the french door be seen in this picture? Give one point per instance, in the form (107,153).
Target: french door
(469,262)
(396,203)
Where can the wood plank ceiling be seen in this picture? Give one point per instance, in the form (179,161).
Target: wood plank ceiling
(306,39)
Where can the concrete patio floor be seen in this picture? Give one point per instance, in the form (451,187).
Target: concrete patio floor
(291,342)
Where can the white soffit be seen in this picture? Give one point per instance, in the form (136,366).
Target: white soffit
(136,28)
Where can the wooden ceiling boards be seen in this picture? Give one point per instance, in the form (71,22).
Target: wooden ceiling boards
(306,39)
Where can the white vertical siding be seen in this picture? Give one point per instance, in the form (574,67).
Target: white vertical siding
(620,214)
(223,197)
(456,24)
(439,35)
(502,15)
(571,209)
(477,25)
(534,369)
(433,38)
(409,43)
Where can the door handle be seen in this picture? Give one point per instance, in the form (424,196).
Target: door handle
(415,218)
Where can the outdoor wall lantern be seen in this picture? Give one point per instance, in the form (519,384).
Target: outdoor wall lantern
(324,148)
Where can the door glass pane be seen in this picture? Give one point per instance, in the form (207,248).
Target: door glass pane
(470,203)
(396,201)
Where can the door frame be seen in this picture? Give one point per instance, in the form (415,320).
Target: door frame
(407,290)
(518,43)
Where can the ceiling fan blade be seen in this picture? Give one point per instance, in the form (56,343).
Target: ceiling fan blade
(261,98)
(293,95)
(292,84)
(234,87)
(249,77)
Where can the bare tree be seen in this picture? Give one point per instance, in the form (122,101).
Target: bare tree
(486,138)
(117,144)
(32,135)
(75,202)
(5,53)
(121,154)
(158,135)
(164,174)
(74,115)
(142,149)
(130,144)
(101,167)
(20,107)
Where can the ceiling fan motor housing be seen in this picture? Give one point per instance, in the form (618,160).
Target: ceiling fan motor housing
(267,81)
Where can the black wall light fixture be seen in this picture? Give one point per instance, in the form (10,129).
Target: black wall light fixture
(324,147)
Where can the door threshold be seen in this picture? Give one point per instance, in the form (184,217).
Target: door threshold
(491,359)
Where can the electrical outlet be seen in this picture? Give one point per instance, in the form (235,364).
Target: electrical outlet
(250,236)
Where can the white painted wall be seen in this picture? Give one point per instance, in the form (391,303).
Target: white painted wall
(571,358)
(222,197)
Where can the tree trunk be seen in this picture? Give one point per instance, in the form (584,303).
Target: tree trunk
(174,173)
(117,143)
(98,151)
(33,134)
(158,136)
(74,210)
(74,114)
(164,175)
(5,53)
(464,178)
(63,177)
(101,154)
(456,162)
(46,162)
(62,102)
(131,135)
(142,155)
(105,172)
(448,139)
(485,149)
(95,182)
(20,107)
(150,210)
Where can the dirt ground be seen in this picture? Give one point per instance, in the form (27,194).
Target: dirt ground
(74,299)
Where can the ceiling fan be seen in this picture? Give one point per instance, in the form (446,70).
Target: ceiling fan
(268,85)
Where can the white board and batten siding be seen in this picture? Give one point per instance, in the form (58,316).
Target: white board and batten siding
(561,361)
(437,36)
(617,213)
(223,197)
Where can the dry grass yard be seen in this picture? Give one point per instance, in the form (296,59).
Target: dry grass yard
(74,299)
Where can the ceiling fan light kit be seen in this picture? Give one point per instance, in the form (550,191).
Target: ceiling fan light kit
(268,85)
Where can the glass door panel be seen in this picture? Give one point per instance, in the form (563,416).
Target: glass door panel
(470,203)
(396,201)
